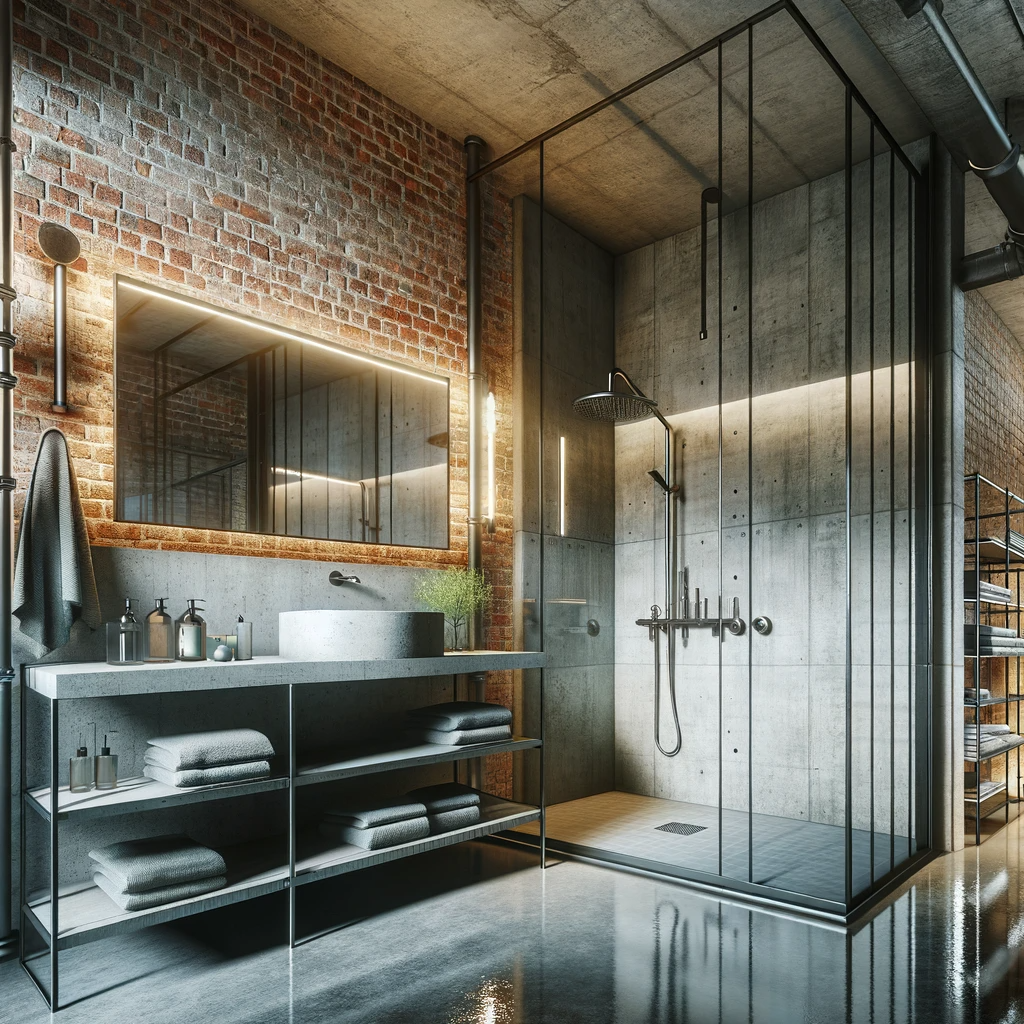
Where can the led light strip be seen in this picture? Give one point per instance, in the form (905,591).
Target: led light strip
(280,332)
(561,487)
(491,422)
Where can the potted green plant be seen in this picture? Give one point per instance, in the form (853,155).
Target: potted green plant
(459,594)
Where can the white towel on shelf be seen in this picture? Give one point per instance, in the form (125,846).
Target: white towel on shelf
(462,737)
(381,812)
(139,865)
(446,796)
(380,837)
(448,821)
(157,897)
(461,714)
(210,749)
(194,777)
(986,729)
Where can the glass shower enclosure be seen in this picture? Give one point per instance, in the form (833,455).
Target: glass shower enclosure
(723,548)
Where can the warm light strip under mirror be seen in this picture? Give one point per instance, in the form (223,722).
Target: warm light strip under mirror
(491,421)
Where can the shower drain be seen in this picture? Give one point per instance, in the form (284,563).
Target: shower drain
(680,828)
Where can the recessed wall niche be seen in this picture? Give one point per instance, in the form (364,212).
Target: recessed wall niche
(225,422)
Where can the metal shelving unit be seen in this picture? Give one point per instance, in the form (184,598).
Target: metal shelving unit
(84,913)
(992,550)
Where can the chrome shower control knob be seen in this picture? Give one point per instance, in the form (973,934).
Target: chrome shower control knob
(762,624)
(593,627)
(655,612)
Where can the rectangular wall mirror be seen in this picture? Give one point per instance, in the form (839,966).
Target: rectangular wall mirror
(223,422)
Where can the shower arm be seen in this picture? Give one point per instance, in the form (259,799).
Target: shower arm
(671,592)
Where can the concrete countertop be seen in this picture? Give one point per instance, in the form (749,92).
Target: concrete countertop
(69,680)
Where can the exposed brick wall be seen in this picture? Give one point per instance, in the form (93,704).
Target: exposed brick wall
(994,397)
(194,145)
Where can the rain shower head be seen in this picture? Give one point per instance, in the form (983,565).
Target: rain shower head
(615,405)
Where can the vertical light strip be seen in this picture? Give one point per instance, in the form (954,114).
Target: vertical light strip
(491,427)
(561,487)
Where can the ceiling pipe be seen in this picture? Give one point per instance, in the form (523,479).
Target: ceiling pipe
(996,159)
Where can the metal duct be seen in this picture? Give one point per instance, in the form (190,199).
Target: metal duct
(996,159)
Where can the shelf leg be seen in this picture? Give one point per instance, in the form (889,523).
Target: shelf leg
(291,816)
(543,809)
(54,857)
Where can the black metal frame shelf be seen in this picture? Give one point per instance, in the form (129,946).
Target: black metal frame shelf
(84,913)
(993,556)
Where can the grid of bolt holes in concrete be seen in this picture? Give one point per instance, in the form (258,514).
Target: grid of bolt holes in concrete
(799,856)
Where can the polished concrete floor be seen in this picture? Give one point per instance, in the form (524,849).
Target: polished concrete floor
(797,856)
(477,935)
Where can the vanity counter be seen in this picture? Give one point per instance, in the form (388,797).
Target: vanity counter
(70,680)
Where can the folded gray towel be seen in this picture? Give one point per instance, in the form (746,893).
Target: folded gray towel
(211,749)
(985,728)
(447,796)
(448,821)
(157,897)
(461,737)
(380,812)
(139,865)
(461,714)
(207,776)
(391,834)
(54,582)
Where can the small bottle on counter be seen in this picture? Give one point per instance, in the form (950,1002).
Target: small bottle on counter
(158,637)
(191,633)
(243,650)
(81,771)
(106,768)
(124,638)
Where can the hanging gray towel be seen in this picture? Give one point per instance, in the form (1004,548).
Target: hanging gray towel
(54,582)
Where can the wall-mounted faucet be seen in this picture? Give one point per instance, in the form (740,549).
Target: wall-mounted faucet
(338,579)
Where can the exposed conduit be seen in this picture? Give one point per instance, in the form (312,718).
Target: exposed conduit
(996,159)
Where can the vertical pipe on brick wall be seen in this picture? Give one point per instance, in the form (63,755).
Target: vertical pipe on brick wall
(477,378)
(7,383)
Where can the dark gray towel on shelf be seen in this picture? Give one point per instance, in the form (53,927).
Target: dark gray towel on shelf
(985,630)
(462,737)
(449,821)
(447,796)
(209,749)
(461,714)
(54,582)
(192,777)
(379,837)
(139,865)
(380,812)
(132,901)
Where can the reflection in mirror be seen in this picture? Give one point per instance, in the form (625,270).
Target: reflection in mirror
(227,423)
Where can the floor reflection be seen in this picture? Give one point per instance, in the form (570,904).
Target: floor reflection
(412,942)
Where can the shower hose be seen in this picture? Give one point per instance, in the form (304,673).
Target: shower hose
(670,642)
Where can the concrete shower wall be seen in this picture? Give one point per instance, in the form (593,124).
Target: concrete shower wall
(790,686)
(578,568)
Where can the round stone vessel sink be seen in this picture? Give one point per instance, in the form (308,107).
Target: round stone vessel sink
(359,635)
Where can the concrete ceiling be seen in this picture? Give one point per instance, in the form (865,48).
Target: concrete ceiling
(509,69)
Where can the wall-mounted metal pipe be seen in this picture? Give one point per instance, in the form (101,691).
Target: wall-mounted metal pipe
(477,378)
(996,159)
(1003,262)
(7,482)
(60,338)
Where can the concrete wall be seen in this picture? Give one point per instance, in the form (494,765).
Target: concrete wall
(783,697)
(577,565)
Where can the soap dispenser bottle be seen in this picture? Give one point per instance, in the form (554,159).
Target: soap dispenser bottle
(191,630)
(159,634)
(124,638)
(81,774)
(106,768)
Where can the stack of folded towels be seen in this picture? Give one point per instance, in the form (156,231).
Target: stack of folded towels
(379,824)
(461,722)
(147,873)
(970,693)
(993,641)
(449,806)
(981,740)
(208,758)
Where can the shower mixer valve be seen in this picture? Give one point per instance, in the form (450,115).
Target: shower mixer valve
(695,616)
